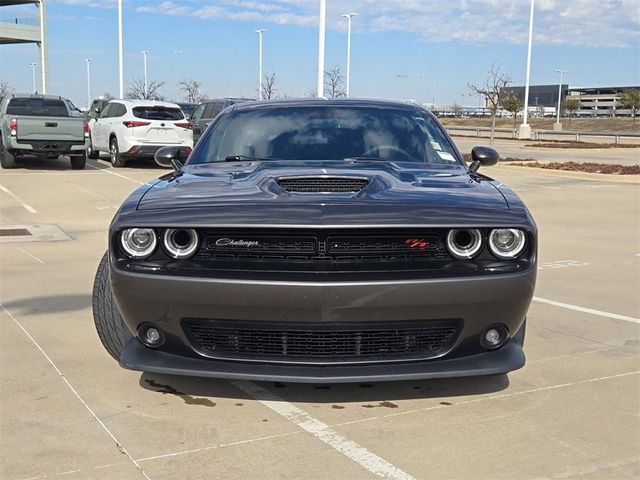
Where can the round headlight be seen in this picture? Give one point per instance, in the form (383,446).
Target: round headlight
(138,242)
(507,243)
(464,244)
(180,242)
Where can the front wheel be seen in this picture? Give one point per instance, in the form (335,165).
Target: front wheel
(114,153)
(110,326)
(78,161)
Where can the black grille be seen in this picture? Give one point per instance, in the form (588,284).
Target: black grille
(321,343)
(323,184)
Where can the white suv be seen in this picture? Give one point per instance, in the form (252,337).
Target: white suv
(137,128)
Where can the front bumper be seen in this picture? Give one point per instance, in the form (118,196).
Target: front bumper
(478,302)
(510,357)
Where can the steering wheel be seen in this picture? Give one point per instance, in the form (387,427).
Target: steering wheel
(391,148)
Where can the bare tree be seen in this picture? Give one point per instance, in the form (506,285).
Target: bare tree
(5,88)
(191,89)
(513,105)
(136,90)
(456,109)
(269,86)
(630,99)
(494,90)
(334,83)
(571,105)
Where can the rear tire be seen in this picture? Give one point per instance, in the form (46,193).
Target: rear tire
(114,153)
(78,161)
(91,153)
(7,159)
(110,326)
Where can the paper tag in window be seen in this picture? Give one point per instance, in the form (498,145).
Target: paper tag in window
(436,145)
(446,156)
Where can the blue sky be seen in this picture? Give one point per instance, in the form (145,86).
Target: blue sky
(440,45)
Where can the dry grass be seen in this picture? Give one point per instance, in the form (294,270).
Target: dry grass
(586,145)
(576,124)
(585,167)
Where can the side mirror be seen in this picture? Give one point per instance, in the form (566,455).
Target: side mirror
(483,156)
(171,157)
(97,110)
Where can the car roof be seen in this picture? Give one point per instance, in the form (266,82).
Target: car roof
(35,95)
(326,102)
(145,103)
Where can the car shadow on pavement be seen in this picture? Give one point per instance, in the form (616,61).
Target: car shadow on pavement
(48,304)
(43,163)
(199,390)
(143,163)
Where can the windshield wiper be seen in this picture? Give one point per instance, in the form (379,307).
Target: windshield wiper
(240,158)
(365,159)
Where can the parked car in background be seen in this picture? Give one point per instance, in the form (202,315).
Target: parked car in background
(73,110)
(41,125)
(187,108)
(207,111)
(319,241)
(138,128)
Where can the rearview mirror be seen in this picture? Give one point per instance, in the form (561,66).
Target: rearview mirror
(483,156)
(172,157)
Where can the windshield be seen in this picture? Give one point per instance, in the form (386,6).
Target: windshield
(327,133)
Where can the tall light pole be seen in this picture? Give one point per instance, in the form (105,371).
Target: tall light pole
(146,84)
(402,76)
(321,30)
(348,16)
(33,74)
(525,129)
(260,32)
(120,51)
(561,72)
(88,60)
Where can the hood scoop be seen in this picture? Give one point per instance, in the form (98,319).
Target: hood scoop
(323,184)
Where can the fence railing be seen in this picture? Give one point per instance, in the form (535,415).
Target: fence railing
(483,132)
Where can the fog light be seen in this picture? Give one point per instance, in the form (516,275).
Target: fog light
(151,336)
(494,337)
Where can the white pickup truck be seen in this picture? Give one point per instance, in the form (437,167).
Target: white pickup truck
(41,125)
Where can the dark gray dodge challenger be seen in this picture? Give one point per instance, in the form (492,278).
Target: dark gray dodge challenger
(319,241)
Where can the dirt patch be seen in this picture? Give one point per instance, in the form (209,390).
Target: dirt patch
(467,158)
(586,145)
(585,167)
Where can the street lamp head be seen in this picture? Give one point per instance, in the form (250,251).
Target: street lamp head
(260,31)
(349,15)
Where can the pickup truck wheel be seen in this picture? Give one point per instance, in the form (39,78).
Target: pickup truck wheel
(78,161)
(110,326)
(91,153)
(114,154)
(7,159)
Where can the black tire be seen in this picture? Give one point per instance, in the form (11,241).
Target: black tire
(7,159)
(114,153)
(78,161)
(91,153)
(110,326)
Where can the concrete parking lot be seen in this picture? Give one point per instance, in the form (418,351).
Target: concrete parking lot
(68,411)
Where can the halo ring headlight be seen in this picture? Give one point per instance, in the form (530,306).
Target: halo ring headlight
(138,243)
(180,242)
(507,243)
(464,244)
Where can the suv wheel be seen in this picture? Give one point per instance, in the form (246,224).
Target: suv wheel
(78,161)
(91,153)
(110,326)
(114,153)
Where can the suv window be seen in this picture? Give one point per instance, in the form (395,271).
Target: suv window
(37,107)
(117,110)
(106,113)
(158,113)
(197,113)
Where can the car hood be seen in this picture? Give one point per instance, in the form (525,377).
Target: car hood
(397,193)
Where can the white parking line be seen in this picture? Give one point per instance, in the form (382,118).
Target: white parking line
(104,170)
(363,457)
(119,446)
(587,310)
(32,256)
(28,207)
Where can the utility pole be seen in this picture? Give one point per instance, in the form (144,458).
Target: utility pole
(120,51)
(402,77)
(321,31)
(146,84)
(260,32)
(88,60)
(33,74)
(349,16)
(525,129)
(558,125)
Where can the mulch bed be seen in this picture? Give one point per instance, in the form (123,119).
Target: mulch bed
(614,169)
(587,145)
